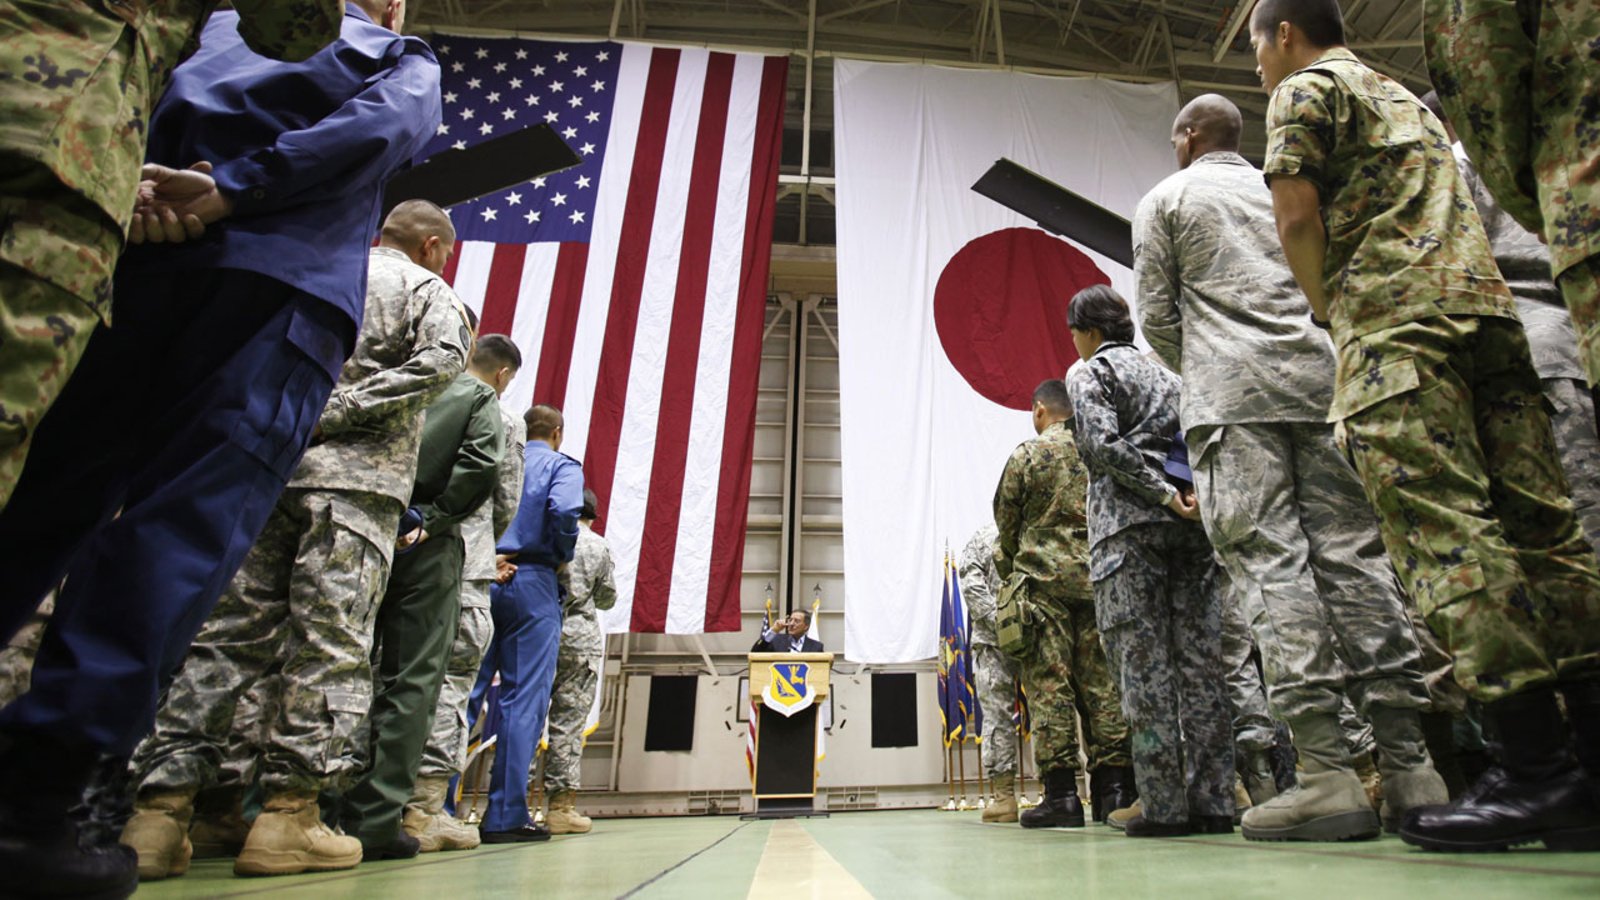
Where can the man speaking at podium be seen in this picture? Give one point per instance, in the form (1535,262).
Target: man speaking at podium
(789,636)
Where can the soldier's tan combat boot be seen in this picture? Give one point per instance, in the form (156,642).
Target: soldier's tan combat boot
(219,828)
(1241,799)
(564,817)
(1258,777)
(1409,779)
(289,837)
(1329,803)
(1119,818)
(1004,807)
(426,820)
(159,833)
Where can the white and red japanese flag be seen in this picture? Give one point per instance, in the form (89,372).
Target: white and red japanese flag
(635,287)
(952,308)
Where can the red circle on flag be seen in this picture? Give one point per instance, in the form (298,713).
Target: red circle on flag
(1000,308)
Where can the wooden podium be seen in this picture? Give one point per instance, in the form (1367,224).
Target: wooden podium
(786,692)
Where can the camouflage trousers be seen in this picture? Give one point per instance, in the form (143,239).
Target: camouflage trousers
(1287,517)
(997,696)
(1064,672)
(16,659)
(445,754)
(1578,442)
(1252,723)
(1518,80)
(578,672)
(57,251)
(1159,607)
(296,624)
(1446,425)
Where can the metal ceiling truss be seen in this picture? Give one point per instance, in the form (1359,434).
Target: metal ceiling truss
(1199,44)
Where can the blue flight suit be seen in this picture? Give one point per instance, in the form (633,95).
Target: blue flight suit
(527,625)
(189,416)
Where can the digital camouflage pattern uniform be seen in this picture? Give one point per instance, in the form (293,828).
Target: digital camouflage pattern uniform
(1043,534)
(302,608)
(1253,730)
(996,673)
(580,662)
(1156,593)
(16,658)
(1281,504)
(1524,261)
(445,754)
(81,78)
(1519,81)
(1436,389)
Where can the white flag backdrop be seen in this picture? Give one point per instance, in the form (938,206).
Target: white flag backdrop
(922,447)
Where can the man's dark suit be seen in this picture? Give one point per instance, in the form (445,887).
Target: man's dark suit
(783,643)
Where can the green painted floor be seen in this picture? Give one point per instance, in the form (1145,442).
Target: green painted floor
(921,854)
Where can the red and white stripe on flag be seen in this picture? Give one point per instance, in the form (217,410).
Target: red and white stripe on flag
(648,336)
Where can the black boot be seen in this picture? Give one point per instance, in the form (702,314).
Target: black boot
(1139,826)
(41,779)
(1111,788)
(1061,807)
(1537,793)
(1583,713)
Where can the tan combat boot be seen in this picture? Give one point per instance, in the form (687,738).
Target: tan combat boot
(1409,779)
(159,833)
(1004,807)
(1119,818)
(1329,803)
(564,817)
(426,820)
(219,829)
(1241,799)
(289,837)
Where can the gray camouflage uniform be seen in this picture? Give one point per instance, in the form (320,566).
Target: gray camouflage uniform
(1156,595)
(580,661)
(1281,504)
(996,673)
(1253,730)
(301,609)
(1524,260)
(445,754)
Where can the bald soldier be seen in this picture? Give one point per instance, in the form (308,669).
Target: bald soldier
(74,118)
(302,608)
(1284,510)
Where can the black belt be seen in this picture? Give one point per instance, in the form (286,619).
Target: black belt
(536,559)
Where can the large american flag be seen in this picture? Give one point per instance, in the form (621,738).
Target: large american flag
(635,286)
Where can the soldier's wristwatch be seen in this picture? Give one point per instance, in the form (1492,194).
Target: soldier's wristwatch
(1324,324)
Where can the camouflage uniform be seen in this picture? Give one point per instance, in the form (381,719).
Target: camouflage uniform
(1519,82)
(84,77)
(445,754)
(16,659)
(303,606)
(1253,729)
(1524,261)
(1156,595)
(996,673)
(1436,389)
(1282,506)
(1039,513)
(580,661)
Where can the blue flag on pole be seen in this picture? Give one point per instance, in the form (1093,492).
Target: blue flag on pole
(953,688)
(969,675)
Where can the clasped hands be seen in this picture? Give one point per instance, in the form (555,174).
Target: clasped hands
(175,205)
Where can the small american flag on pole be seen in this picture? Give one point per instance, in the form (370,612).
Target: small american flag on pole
(635,286)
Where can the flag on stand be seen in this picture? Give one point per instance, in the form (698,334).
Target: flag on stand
(635,287)
(952,659)
(969,684)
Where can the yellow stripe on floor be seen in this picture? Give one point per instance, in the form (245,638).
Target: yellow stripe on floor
(794,865)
